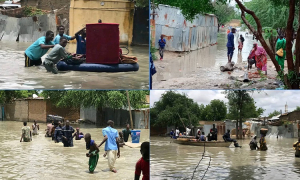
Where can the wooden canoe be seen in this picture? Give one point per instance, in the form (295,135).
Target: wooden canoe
(193,142)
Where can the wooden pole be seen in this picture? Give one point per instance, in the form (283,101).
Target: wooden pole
(129,110)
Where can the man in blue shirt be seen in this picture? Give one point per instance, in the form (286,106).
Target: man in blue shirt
(61,30)
(230,44)
(58,133)
(112,145)
(67,131)
(161,43)
(81,41)
(38,49)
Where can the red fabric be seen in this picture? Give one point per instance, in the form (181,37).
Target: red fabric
(142,166)
(102,46)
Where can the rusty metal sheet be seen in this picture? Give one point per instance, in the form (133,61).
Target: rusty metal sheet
(180,34)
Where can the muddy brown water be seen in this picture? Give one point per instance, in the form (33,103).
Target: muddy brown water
(202,66)
(15,76)
(44,159)
(174,161)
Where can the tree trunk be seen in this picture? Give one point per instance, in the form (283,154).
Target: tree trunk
(258,34)
(236,129)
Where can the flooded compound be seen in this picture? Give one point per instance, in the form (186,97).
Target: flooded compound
(200,69)
(15,76)
(43,159)
(174,161)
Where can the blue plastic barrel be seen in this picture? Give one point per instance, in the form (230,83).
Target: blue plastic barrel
(135,136)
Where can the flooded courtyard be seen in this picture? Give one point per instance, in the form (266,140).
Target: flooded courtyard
(44,159)
(174,161)
(15,76)
(200,69)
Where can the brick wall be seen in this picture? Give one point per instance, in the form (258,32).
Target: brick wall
(37,110)
(71,114)
(16,111)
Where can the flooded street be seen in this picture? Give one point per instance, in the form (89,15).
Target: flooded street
(200,69)
(44,159)
(15,76)
(174,161)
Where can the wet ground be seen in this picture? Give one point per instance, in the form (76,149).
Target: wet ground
(200,69)
(15,76)
(174,161)
(44,159)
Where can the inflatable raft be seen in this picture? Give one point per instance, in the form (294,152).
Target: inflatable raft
(62,66)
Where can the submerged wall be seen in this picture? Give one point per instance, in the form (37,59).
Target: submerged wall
(26,29)
(288,131)
(180,34)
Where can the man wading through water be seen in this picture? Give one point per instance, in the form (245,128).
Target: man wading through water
(230,45)
(112,145)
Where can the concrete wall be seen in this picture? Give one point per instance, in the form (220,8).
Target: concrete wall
(180,34)
(282,131)
(16,111)
(120,117)
(37,110)
(292,116)
(84,12)
(28,29)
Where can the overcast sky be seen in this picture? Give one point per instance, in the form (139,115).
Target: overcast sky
(269,100)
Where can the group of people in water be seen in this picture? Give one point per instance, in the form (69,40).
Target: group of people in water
(112,138)
(258,55)
(40,47)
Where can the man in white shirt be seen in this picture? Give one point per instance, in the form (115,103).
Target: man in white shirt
(177,132)
(188,131)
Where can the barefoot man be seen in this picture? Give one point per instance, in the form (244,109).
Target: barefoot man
(112,145)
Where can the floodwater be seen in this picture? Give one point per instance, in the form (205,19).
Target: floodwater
(15,76)
(43,159)
(174,161)
(201,67)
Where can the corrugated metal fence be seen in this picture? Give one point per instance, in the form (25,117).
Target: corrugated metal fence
(28,29)
(182,35)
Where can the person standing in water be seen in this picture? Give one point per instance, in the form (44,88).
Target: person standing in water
(39,48)
(263,143)
(58,133)
(161,43)
(230,45)
(126,132)
(296,146)
(241,43)
(281,44)
(26,133)
(81,41)
(35,128)
(78,135)
(177,132)
(143,164)
(253,144)
(61,31)
(93,153)
(67,131)
(112,145)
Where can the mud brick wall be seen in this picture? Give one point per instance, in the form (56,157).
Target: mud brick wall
(16,111)
(37,110)
(71,114)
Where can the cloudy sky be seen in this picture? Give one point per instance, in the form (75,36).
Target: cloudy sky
(269,100)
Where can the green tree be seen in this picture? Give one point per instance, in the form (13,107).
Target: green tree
(175,109)
(95,98)
(274,113)
(189,8)
(241,106)
(297,108)
(141,3)
(7,96)
(216,110)
(223,12)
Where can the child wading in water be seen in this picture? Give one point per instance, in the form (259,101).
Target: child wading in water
(143,164)
(93,153)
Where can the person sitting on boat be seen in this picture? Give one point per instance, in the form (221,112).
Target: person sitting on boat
(227,138)
(253,144)
(209,137)
(202,137)
(214,133)
(263,143)
(188,130)
(296,146)
(198,134)
(172,133)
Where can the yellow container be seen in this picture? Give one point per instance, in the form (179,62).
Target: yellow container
(84,12)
